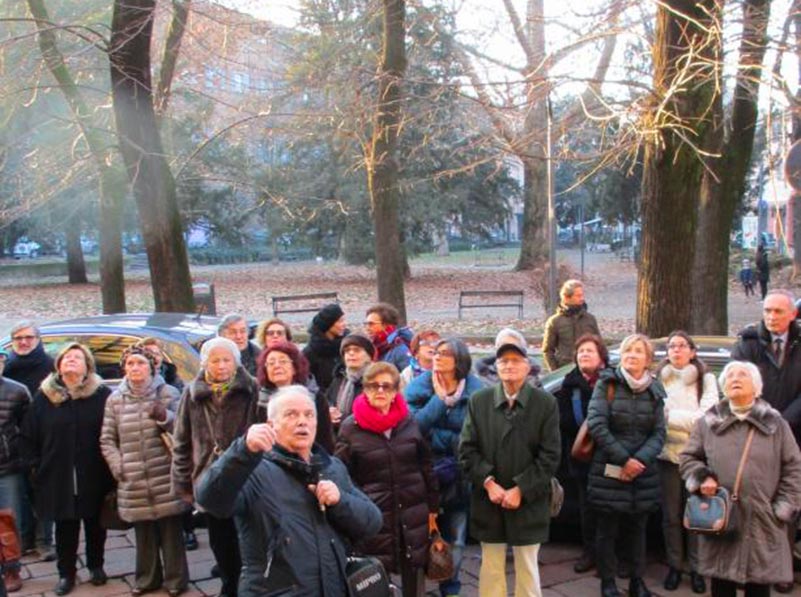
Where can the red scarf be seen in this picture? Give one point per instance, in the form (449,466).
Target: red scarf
(373,420)
(380,339)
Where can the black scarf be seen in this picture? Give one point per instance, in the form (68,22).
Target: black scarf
(30,369)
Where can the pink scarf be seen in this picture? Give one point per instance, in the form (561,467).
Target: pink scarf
(373,420)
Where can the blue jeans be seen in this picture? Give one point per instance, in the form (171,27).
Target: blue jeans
(11,496)
(453,527)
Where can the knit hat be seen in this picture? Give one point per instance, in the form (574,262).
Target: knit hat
(359,340)
(327,316)
(135,349)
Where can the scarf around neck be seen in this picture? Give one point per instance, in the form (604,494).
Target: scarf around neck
(372,419)
(637,386)
(381,339)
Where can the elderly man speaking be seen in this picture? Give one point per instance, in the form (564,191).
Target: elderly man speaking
(294,505)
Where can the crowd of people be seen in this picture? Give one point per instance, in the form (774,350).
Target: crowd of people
(371,443)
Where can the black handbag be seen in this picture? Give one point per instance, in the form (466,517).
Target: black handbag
(366,577)
(717,514)
(110,514)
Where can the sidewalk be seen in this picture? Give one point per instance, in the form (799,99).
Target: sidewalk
(556,573)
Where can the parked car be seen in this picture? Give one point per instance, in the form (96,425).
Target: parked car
(715,351)
(107,336)
(26,248)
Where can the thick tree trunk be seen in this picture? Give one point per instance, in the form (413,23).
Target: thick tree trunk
(724,181)
(673,168)
(534,235)
(76,266)
(382,166)
(140,144)
(112,194)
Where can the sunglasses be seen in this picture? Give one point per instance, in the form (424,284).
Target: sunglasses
(375,386)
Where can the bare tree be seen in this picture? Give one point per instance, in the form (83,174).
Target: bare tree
(140,144)
(382,160)
(686,59)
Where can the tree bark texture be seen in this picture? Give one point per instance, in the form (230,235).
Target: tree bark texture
(686,47)
(169,59)
(140,144)
(76,266)
(723,183)
(112,188)
(382,166)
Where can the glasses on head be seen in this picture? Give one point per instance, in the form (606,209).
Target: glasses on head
(678,346)
(374,386)
(23,338)
(278,362)
(431,343)
(276,333)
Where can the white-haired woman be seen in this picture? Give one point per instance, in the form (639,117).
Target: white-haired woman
(770,491)
(216,408)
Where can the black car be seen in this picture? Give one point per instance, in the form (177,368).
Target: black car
(107,336)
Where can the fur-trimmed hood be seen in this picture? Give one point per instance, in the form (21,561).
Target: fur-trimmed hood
(762,416)
(57,393)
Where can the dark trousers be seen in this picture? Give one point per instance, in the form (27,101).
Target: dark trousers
(157,539)
(763,288)
(678,542)
(727,588)
(224,543)
(588,524)
(609,526)
(67,536)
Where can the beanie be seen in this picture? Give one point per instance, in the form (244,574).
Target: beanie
(327,317)
(359,340)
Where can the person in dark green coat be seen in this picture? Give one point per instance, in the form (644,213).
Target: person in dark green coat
(509,450)
(626,419)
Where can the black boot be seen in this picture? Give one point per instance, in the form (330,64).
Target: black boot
(672,580)
(637,588)
(585,562)
(64,585)
(609,588)
(697,583)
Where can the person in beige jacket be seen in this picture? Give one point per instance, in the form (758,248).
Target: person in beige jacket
(691,391)
(136,415)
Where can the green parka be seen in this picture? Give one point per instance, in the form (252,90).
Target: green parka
(518,446)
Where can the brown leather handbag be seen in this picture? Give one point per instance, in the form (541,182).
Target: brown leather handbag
(584,445)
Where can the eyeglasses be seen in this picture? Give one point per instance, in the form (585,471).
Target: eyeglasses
(678,346)
(374,386)
(510,362)
(275,333)
(279,363)
(443,354)
(23,338)
(371,324)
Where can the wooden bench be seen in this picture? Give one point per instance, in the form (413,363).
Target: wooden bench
(320,299)
(475,299)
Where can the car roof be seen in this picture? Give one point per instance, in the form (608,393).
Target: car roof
(193,329)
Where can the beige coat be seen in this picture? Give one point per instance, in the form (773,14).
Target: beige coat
(132,446)
(770,492)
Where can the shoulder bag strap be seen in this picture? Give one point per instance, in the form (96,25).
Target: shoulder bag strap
(216,450)
(735,496)
(610,391)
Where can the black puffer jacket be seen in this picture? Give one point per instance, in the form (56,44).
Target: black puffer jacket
(289,545)
(631,426)
(396,473)
(14,403)
(782,385)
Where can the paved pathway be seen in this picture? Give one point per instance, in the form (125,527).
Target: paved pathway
(556,571)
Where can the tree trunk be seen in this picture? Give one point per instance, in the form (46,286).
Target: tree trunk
(76,266)
(169,60)
(382,161)
(140,144)
(673,169)
(112,193)
(534,235)
(724,182)
(796,134)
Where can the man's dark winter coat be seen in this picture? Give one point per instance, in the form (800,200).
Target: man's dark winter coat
(30,369)
(14,404)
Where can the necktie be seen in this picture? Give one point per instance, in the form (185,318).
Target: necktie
(777,350)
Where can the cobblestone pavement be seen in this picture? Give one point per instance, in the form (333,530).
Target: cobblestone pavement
(556,572)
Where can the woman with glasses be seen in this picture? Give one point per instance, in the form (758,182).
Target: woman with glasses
(281,365)
(691,391)
(388,458)
(273,331)
(422,347)
(438,399)
(626,420)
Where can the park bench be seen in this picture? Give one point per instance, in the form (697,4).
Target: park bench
(477,299)
(302,303)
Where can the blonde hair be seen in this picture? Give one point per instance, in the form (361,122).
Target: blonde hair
(632,339)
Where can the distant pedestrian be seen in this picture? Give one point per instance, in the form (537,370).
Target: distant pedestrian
(509,450)
(390,338)
(571,321)
(747,278)
(326,332)
(763,269)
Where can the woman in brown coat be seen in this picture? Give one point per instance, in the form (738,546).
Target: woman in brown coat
(388,458)
(770,493)
(136,416)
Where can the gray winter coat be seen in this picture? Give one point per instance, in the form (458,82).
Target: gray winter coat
(631,426)
(136,455)
(770,491)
